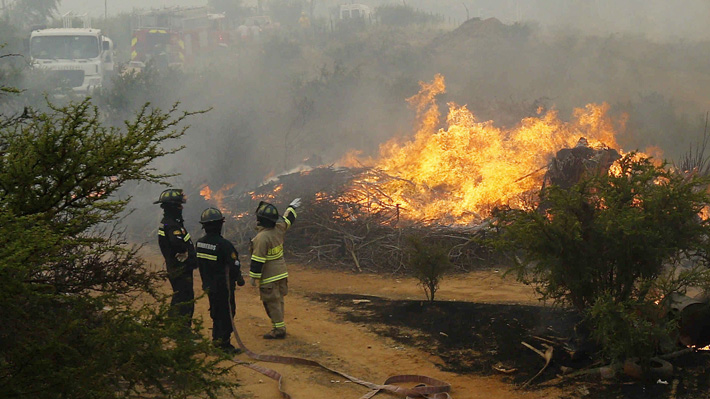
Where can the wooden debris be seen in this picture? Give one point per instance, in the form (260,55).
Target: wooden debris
(347,220)
(566,370)
(547,355)
(676,354)
(549,341)
(503,369)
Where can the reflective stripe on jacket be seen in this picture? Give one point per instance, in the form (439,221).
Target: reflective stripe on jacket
(267,250)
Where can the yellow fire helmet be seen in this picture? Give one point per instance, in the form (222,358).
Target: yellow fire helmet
(211,215)
(172,196)
(267,211)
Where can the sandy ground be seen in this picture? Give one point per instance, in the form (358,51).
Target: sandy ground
(316,333)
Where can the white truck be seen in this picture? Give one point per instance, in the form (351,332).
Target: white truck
(354,11)
(78,58)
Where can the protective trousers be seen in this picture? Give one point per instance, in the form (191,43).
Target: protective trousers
(182,304)
(272,295)
(220,302)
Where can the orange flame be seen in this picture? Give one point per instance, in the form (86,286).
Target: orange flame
(456,174)
(206,192)
(217,197)
(266,196)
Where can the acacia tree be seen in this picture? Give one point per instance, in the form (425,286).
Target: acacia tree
(612,246)
(81,316)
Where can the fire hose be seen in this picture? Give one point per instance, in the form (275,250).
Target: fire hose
(428,387)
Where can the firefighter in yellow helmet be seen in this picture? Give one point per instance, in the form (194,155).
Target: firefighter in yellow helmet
(304,21)
(268,268)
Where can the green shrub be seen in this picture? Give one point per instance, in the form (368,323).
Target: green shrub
(82,315)
(626,329)
(612,246)
(429,263)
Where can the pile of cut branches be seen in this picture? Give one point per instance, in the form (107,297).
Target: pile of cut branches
(347,221)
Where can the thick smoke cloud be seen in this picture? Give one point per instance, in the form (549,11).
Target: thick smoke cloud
(658,19)
(296,98)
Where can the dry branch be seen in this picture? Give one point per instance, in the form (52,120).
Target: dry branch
(347,220)
(547,356)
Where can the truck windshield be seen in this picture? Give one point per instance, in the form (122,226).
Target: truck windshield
(65,47)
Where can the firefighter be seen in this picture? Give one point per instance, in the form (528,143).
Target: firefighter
(179,253)
(268,268)
(220,269)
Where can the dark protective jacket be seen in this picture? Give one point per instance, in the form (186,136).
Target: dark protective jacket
(174,239)
(215,255)
(267,250)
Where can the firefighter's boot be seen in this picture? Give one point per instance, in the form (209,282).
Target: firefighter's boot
(276,333)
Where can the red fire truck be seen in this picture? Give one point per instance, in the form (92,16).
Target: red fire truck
(176,36)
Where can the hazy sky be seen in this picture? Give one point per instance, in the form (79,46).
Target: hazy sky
(96,7)
(656,18)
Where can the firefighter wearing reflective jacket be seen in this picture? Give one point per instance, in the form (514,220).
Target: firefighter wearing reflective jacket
(268,268)
(179,253)
(219,269)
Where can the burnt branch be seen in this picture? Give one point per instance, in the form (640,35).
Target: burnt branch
(347,220)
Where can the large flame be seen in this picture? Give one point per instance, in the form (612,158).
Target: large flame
(458,172)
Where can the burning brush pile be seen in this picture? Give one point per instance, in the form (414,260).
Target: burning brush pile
(347,220)
(439,185)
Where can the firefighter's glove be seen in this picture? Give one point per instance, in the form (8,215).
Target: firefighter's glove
(295,203)
(240,280)
(181,256)
(253,282)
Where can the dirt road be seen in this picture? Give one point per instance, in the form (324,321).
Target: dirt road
(317,333)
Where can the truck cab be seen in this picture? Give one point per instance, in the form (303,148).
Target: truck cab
(355,11)
(79,58)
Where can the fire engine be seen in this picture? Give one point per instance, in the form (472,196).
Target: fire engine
(176,36)
(77,58)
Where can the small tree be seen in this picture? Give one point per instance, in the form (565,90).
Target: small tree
(612,246)
(81,314)
(34,11)
(429,263)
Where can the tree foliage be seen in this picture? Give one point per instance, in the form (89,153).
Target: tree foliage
(613,245)
(34,11)
(429,263)
(7,70)
(81,313)
(232,8)
(118,100)
(403,15)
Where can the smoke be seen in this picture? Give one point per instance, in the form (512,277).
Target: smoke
(296,97)
(286,102)
(656,19)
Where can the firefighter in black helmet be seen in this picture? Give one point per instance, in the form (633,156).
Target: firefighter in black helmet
(219,269)
(268,268)
(179,253)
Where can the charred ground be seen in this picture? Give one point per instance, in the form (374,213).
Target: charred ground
(485,339)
